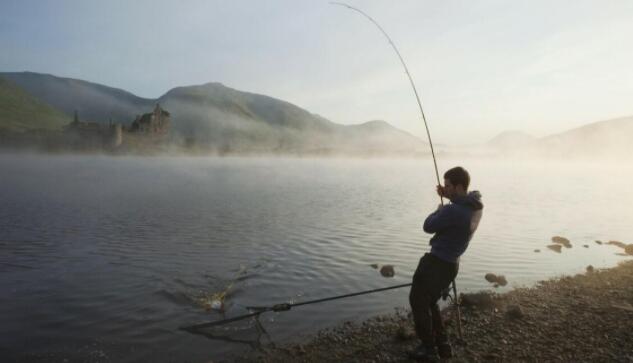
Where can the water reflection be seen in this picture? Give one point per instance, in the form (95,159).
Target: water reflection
(115,252)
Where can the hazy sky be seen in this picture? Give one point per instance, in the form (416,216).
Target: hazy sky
(481,66)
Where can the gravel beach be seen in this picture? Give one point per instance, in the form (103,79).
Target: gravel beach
(582,318)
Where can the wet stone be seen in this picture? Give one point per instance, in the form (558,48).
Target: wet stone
(501,280)
(404,333)
(498,280)
(617,243)
(598,305)
(478,299)
(514,312)
(387,271)
(561,241)
(490,277)
(555,248)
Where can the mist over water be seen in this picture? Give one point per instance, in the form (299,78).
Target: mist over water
(104,257)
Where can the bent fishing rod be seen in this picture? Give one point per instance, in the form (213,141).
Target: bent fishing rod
(406,70)
(256,311)
(426,126)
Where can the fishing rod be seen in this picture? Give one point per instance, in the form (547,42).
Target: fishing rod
(406,70)
(426,126)
(257,310)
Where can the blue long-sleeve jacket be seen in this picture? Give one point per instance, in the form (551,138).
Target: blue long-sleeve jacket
(454,225)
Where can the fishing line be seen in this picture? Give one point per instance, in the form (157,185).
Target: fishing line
(415,90)
(255,312)
(426,126)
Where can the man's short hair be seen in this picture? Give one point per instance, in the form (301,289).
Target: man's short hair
(457,176)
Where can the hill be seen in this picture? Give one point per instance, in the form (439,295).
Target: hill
(19,111)
(602,139)
(215,118)
(214,114)
(511,139)
(609,138)
(93,101)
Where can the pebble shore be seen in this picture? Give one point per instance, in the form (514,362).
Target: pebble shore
(582,318)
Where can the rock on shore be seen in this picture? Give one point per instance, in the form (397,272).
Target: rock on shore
(561,241)
(584,318)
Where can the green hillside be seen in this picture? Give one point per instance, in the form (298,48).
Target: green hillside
(245,105)
(214,118)
(94,102)
(19,111)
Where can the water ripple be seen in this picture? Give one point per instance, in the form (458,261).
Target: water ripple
(117,250)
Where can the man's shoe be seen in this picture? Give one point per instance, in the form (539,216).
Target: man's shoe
(444,349)
(424,354)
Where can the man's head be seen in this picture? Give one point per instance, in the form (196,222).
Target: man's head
(456,181)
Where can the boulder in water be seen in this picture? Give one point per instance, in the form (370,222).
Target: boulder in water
(555,248)
(537,250)
(598,242)
(497,280)
(617,243)
(374,266)
(561,241)
(387,271)
(501,280)
(628,248)
(490,277)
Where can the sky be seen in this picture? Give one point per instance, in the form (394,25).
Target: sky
(481,67)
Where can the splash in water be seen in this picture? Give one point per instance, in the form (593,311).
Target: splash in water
(216,301)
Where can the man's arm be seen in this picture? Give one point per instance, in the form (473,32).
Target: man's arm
(438,220)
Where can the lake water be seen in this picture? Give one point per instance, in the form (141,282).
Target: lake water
(103,258)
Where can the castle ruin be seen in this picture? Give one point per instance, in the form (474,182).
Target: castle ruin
(90,135)
(93,134)
(155,122)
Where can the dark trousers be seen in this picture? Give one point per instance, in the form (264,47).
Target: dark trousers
(431,277)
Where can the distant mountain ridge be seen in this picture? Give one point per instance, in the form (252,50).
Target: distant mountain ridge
(608,138)
(214,117)
(511,139)
(217,117)
(602,138)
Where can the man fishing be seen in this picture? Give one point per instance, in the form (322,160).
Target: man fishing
(453,225)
